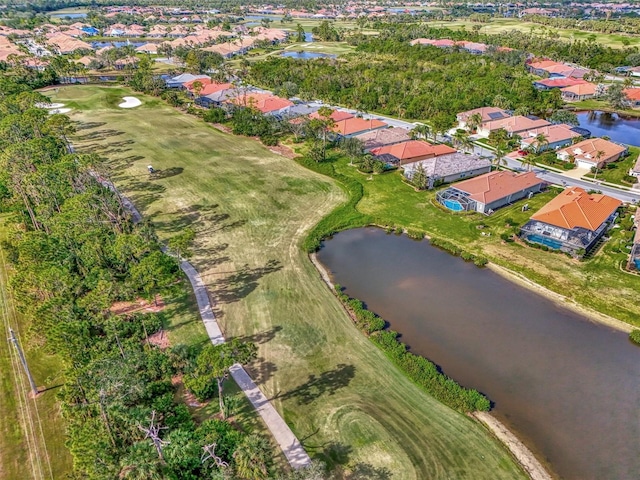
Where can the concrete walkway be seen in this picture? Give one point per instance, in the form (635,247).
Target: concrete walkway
(290,445)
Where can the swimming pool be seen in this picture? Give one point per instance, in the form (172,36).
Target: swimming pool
(453,205)
(549,242)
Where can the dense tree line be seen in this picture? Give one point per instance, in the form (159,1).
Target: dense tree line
(587,53)
(618,25)
(391,77)
(75,251)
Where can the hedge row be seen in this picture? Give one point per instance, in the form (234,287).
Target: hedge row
(458,252)
(417,368)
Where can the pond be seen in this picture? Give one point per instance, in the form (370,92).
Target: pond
(304,55)
(567,387)
(618,128)
(98,45)
(68,15)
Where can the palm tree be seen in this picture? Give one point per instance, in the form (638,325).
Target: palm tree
(474,121)
(541,142)
(460,137)
(251,456)
(499,152)
(599,155)
(420,130)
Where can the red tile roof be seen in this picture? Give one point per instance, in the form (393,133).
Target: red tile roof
(352,125)
(413,150)
(493,186)
(574,207)
(560,82)
(265,102)
(336,115)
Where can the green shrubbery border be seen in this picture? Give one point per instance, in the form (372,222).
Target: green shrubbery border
(417,368)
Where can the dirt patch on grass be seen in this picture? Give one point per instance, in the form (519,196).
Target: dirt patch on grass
(160,340)
(189,398)
(139,305)
(284,150)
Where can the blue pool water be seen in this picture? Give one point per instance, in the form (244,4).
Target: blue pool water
(549,242)
(453,205)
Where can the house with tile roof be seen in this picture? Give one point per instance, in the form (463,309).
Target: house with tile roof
(179,80)
(576,93)
(336,116)
(572,222)
(64,44)
(513,125)
(350,127)
(266,103)
(384,136)
(486,113)
(486,193)
(556,136)
(561,82)
(448,168)
(633,97)
(593,152)
(635,170)
(410,151)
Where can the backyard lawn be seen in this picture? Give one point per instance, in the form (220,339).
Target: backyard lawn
(598,283)
(617,171)
(251,209)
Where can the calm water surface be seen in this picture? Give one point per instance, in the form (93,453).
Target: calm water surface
(569,388)
(619,129)
(307,55)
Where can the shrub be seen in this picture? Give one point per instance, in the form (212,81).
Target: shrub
(481,261)
(467,257)
(634,336)
(214,115)
(269,140)
(415,234)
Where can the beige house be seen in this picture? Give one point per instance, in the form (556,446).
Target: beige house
(593,152)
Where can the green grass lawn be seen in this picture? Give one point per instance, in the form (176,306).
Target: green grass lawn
(251,209)
(618,170)
(598,283)
(26,424)
(501,25)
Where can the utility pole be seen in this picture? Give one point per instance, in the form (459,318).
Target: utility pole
(23,360)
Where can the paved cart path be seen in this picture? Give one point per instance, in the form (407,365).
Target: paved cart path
(290,445)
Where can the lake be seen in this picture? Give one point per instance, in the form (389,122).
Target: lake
(69,15)
(567,387)
(619,129)
(116,44)
(307,55)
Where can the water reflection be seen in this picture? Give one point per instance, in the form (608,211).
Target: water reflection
(618,128)
(569,388)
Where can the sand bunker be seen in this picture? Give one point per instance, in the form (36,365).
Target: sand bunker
(59,110)
(130,102)
(49,105)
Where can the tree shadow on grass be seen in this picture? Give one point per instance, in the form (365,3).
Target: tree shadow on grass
(327,383)
(169,172)
(88,125)
(261,337)
(99,135)
(261,370)
(242,282)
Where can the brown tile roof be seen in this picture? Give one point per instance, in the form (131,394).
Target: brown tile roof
(265,102)
(581,89)
(352,125)
(384,136)
(574,207)
(632,93)
(515,124)
(493,186)
(413,150)
(587,150)
(487,114)
(553,134)
(336,115)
